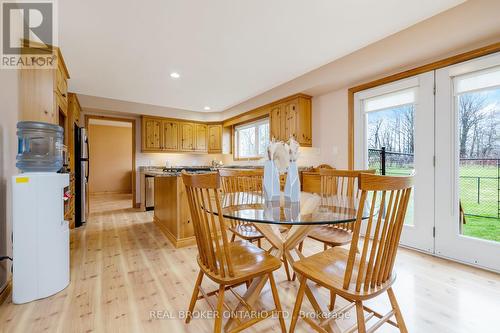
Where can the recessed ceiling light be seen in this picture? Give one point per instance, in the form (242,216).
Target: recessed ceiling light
(175,75)
(206,108)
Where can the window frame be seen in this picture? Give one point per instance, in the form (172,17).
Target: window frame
(255,124)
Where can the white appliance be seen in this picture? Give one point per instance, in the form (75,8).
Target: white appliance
(40,236)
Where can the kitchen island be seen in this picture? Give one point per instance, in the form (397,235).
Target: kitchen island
(171,212)
(171,209)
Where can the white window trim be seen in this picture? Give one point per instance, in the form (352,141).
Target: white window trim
(254,124)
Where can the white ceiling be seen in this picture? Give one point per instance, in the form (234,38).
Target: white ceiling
(226,51)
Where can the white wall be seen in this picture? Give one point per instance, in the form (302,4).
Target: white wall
(9,115)
(330,128)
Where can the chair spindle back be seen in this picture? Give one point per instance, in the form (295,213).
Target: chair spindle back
(388,198)
(203,194)
(241,180)
(342,183)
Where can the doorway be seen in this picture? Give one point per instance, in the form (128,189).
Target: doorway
(443,126)
(395,135)
(111,157)
(468,162)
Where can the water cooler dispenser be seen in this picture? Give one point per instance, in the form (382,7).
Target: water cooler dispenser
(40,236)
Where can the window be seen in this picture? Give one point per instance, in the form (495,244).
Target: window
(252,139)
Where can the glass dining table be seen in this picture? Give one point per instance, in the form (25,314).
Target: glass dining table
(285,225)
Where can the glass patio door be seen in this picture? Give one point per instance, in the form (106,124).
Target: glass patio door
(468,162)
(395,135)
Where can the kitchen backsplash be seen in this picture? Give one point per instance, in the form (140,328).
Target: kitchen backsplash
(158,159)
(308,157)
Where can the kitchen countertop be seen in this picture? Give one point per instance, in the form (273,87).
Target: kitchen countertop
(158,171)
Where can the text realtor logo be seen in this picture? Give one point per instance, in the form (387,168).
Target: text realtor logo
(28,34)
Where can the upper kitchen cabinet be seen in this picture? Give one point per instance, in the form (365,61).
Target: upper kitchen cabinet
(292,117)
(171,135)
(176,135)
(215,138)
(151,134)
(44,93)
(187,136)
(275,122)
(201,143)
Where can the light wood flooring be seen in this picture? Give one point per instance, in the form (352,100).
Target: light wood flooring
(123,269)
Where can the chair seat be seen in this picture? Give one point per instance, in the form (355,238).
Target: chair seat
(331,235)
(327,268)
(246,231)
(249,261)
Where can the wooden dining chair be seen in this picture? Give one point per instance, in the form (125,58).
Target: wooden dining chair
(337,182)
(243,181)
(361,275)
(345,184)
(246,181)
(225,263)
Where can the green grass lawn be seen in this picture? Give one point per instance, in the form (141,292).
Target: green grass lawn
(487,224)
(481,227)
(482,202)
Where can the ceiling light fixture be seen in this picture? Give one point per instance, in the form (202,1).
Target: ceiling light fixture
(206,108)
(175,75)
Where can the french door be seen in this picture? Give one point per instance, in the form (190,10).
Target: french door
(394,126)
(467,162)
(444,127)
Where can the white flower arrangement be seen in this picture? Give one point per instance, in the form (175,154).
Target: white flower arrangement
(294,149)
(279,153)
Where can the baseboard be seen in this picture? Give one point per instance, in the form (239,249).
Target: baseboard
(6,291)
(176,242)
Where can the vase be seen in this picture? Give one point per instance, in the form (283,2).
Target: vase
(271,182)
(292,185)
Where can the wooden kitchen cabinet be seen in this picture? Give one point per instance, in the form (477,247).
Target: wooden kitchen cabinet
(275,122)
(215,138)
(187,136)
(44,92)
(201,138)
(292,117)
(151,134)
(176,135)
(170,135)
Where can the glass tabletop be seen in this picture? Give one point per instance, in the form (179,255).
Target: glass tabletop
(312,209)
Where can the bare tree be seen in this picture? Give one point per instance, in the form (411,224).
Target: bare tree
(469,108)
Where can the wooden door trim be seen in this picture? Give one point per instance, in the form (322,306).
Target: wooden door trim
(128,120)
(462,57)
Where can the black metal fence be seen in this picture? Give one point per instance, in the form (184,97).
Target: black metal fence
(390,163)
(479,179)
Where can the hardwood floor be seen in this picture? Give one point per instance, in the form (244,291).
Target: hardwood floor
(126,277)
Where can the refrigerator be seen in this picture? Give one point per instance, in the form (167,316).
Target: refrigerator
(81,176)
